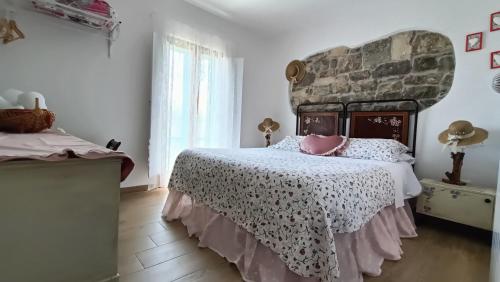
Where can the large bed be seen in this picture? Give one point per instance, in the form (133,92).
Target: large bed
(282,215)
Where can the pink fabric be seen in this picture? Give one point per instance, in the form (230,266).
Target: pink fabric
(359,252)
(99,7)
(322,145)
(56,146)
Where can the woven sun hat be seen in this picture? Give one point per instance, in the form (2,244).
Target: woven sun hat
(268,126)
(462,133)
(295,71)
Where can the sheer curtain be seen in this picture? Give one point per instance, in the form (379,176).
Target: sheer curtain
(196,101)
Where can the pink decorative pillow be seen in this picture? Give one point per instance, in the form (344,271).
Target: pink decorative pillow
(322,145)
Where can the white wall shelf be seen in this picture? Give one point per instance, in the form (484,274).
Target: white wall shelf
(70,11)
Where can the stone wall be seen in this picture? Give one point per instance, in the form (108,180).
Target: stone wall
(409,65)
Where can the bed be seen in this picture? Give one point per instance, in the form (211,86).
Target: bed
(282,215)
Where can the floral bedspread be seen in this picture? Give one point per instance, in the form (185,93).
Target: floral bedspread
(292,202)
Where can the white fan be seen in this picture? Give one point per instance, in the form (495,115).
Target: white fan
(496,83)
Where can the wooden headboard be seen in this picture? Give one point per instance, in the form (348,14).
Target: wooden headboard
(325,122)
(367,119)
(385,125)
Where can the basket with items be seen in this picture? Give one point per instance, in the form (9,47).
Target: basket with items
(24,112)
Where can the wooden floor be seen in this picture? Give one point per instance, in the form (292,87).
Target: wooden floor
(151,250)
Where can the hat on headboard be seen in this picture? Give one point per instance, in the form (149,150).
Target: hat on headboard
(295,71)
(462,133)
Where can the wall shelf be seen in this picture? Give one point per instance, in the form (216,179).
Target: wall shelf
(72,11)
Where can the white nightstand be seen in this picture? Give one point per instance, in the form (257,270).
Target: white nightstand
(468,205)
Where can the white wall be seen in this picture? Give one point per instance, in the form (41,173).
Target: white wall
(354,22)
(97,98)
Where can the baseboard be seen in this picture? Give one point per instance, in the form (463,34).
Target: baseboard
(134,189)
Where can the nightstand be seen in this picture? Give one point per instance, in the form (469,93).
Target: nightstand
(469,205)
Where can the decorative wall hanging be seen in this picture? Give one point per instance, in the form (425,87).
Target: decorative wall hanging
(9,31)
(459,135)
(295,71)
(416,65)
(495,21)
(95,14)
(474,42)
(495,60)
(496,83)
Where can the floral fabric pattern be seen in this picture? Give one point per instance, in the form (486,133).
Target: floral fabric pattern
(291,202)
(387,150)
(393,122)
(289,143)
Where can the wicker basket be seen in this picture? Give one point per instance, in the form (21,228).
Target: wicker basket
(26,121)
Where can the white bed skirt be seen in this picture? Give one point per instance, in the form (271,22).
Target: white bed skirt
(359,252)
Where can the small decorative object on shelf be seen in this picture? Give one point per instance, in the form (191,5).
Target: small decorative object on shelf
(96,14)
(457,137)
(495,60)
(474,42)
(495,21)
(267,127)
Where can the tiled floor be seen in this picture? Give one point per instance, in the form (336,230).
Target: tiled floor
(151,250)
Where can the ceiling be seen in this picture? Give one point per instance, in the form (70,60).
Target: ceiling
(267,16)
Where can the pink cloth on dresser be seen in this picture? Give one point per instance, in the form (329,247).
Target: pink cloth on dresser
(56,146)
(359,252)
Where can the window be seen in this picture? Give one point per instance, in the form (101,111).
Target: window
(196,101)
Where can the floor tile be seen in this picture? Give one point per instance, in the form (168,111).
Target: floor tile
(176,268)
(134,245)
(167,252)
(128,264)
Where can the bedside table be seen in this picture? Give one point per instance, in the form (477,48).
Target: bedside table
(469,205)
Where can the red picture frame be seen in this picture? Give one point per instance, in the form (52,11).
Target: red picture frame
(494,64)
(468,47)
(493,25)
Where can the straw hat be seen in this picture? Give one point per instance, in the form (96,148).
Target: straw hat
(295,71)
(268,126)
(462,133)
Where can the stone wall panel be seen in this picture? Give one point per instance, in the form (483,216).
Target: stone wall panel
(416,65)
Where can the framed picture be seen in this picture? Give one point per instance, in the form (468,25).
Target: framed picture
(495,21)
(320,123)
(474,42)
(495,60)
(384,125)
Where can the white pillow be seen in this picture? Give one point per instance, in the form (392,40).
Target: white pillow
(406,158)
(387,150)
(289,143)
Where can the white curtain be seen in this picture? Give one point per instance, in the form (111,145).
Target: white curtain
(196,101)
